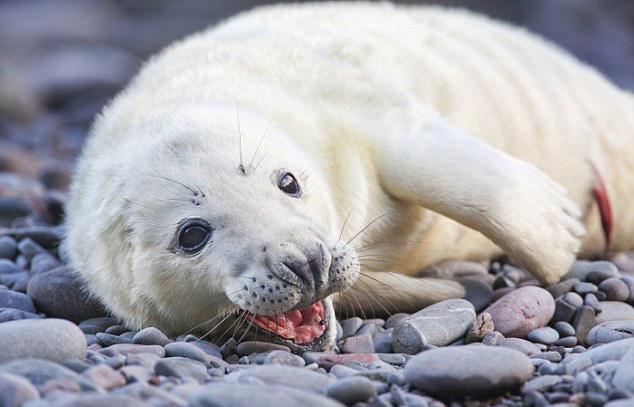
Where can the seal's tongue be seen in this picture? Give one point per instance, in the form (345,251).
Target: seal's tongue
(302,326)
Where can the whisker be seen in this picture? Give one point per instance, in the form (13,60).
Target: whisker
(190,189)
(367,226)
(260,143)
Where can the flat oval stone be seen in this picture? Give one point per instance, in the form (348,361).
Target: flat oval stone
(521,311)
(610,331)
(294,377)
(59,293)
(437,325)
(150,336)
(39,371)
(248,395)
(473,370)
(50,339)
(545,335)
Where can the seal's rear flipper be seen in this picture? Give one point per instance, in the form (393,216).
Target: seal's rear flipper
(380,294)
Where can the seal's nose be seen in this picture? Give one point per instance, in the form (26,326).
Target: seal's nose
(310,265)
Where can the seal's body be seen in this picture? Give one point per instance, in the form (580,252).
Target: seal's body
(429,125)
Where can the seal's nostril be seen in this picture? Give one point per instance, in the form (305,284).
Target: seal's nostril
(300,268)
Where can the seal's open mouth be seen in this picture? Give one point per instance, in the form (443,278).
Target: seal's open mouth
(302,326)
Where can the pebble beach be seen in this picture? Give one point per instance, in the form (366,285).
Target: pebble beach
(509,342)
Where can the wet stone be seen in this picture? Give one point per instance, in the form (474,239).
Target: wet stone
(521,311)
(351,390)
(615,289)
(150,336)
(439,325)
(610,331)
(545,335)
(473,370)
(567,341)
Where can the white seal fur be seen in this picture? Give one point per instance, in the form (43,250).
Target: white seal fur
(449,134)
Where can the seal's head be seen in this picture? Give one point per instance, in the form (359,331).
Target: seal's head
(210,220)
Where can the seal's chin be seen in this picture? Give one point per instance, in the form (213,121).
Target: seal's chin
(304,329)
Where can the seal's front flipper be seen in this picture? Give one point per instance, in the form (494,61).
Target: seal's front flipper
(508,200)
(380,294)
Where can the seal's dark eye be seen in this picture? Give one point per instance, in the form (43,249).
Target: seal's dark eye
(193,235)
(289,185)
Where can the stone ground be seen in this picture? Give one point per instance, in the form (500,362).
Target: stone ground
(510,343)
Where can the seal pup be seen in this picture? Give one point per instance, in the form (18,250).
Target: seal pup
(252,171)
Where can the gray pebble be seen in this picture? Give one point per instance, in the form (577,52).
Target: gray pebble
(126,349)
(116,329)
(11,314)
(181,367)
(611,331)
(439,325)
(395,319)
(297,378)
(43,262)
(8,247)
(581,268)
(524,346)
(51,339)
(477,292)
(150,336)
(106,340)
(15,300)
(573,299)
(615,311)
(94,325)
(541,383)
(188,350)
(383,341)
(350,326)
(591,300)
(563,311)
(104,376)
(358,344)
(279,357)
(545,335)
(615,289)
(583,322)
(549,356)
(609,351)
(473,370)
(564,328)
(562,287)
(351,390)
(8,267)
(567,341)
(249,347)
(28,248)
(493,339)
(243,395)
(59,293)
